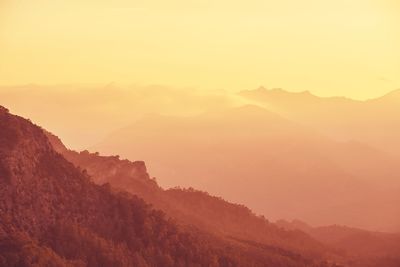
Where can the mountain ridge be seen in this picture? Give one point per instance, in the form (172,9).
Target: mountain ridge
(282,92)
(196,201)
(261,154)
(53,215)
(188,206)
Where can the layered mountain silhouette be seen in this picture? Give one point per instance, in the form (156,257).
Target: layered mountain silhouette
(212,214)
(52,214)
(270,163)
(188,206)
(102,109)
(365,245)
(375,122)
(285,155)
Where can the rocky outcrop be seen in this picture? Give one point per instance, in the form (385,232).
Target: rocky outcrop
(122,174)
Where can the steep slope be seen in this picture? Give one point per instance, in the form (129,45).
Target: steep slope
(51,214)
(272,165)
(189,206)
(351,246)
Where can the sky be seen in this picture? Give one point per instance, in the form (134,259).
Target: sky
(342,47)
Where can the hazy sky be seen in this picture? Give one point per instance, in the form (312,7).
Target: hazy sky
(338,47)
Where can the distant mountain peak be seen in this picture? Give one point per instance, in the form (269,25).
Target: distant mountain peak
(277,92)
(395,94)
(283,96)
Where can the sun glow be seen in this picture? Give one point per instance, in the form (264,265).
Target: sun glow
(329,47)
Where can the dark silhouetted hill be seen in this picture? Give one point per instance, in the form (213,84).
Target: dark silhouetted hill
(51,214)
(188,206)
(231,221)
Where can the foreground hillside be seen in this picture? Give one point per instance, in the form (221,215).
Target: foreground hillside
(53,215)
(352,247)
(188,206)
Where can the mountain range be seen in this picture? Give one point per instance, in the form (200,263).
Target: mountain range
(270,163)
(375,122)
(52,214)
(284,155)
(214,214)
(64,208)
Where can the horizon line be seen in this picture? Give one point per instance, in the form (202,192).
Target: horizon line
(124,85)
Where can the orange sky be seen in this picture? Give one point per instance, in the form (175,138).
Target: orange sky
(343,47)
